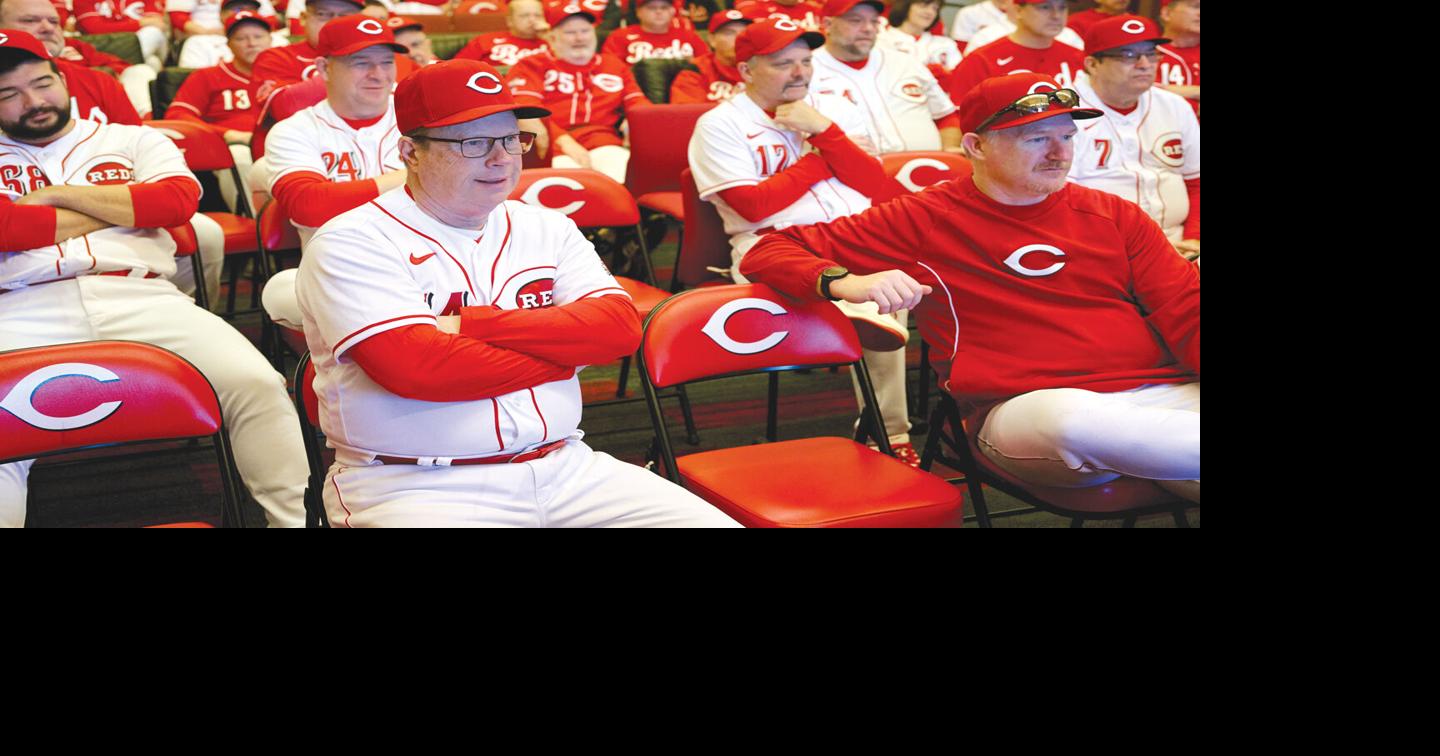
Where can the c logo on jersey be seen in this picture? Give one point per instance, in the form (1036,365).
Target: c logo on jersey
(608,82)
(536,294)
(110,174)
(309,72)
(4,39)
(488,89)
(786,25)
(370,26)
(904,175)
(912,91)
(532,195)
(597,6)
(1015,258)
(1169,149)
(1038,86)
(20,402)
(715,326)
(1133,26)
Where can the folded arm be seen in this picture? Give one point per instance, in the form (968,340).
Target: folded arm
(590,331)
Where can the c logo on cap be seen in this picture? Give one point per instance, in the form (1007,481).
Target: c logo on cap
(473,83)
(1134,26)
(1037,86)
(370,26)
(3,39)
(572,8)
(786,25)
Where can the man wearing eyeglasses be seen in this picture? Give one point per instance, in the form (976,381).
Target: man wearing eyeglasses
(447,326)
(1059,315)
(1146,146)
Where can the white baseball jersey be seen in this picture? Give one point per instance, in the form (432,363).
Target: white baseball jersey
(900,98)
(318,140)
(206,50)
(92,154)
(207,12)
(928,50)
(1144,156)
(973,18)
(1004,29)
(736,144)
(386,264)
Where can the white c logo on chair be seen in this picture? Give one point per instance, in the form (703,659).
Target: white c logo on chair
(532,195)
(19,401)
(904,175)
(715,327)
(493,89)
(370,26)
(1014,260)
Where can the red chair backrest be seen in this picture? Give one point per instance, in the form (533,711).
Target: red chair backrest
(660,145)
(705,242)
(737,328)
(185,241)
(204,149)
(276,230)
(917,170)
(590,198)
(73,396)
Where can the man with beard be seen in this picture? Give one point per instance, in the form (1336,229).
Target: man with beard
(1063,320)
(84,256)
(98,97)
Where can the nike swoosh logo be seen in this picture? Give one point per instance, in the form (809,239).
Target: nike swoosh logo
(417,260)
(1004,61)
(752,136)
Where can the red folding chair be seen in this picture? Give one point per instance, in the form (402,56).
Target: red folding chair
(74,397)
(276,236)
(704,245)
(594,200)
(952,442)
(307,406)
(724,331)
(918,170)
(659,151)
(186,247)
(205,150)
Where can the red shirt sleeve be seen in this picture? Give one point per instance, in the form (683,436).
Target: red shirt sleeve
(1166,286)
(755,203)
(420,362)
(591,331)
(949,121)
(25,227)
(1192,221)
(178,20)
(477,49)
(970,72)
(192,100)
(854,167)
(94,58)
(89,20)
(310,200)
(164,203)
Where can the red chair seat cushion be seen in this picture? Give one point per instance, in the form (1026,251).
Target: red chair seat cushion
(819,482)
(646,297)
(670,203)
(239,232)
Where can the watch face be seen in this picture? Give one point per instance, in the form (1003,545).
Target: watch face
(835,271)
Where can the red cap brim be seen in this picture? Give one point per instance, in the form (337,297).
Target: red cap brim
(521,111)
(355,47)
(1081,113)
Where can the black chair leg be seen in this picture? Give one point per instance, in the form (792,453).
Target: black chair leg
(624,377)
(234,281)
(1130,521)
(977,502)
(772,405)
(1077,523)
(1181,521)
(691,436)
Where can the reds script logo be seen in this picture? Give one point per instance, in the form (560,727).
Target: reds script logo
(536,294)
(20,402)
(642,50)
(1015,260)
(715,326)
(110,174)
(532,195)
(912,91)
(1169,149)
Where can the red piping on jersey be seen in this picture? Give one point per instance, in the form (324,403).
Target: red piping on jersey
(336,484)
(496,265)
(339,343)
(463,272)
(512,278)
(544,427)
(589,294)
(93,262)
(76,147)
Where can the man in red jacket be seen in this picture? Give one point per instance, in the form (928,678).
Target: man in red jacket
(144,18)
(718,78)
(1069,325)
(40,18)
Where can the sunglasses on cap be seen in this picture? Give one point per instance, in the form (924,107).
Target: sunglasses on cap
(479,147)
(1039,102)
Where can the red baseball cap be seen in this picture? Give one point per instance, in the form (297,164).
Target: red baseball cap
(246,17)
(455,91)
(991,95)
(555,12)
(14,39)
(731,16)
(1121,30)
(398,24)
(771,35)
(351,34)
(835,8)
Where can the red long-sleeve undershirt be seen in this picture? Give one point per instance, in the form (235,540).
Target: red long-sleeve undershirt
(178,19)
(419,362)
(587,332)
(310,200)
(175,113)
(1192,221)
(949,121)
(164,203)
(838,157)
(25,227)
(97,25)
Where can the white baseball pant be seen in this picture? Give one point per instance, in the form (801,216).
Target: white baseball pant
(253,400)
(136,81)
(1072,438)
(154,46)
(574,487)
(609,160)
(210,238)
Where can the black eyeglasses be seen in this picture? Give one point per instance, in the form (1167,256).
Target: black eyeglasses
(1038,102)
(479,147)
(1130,56)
